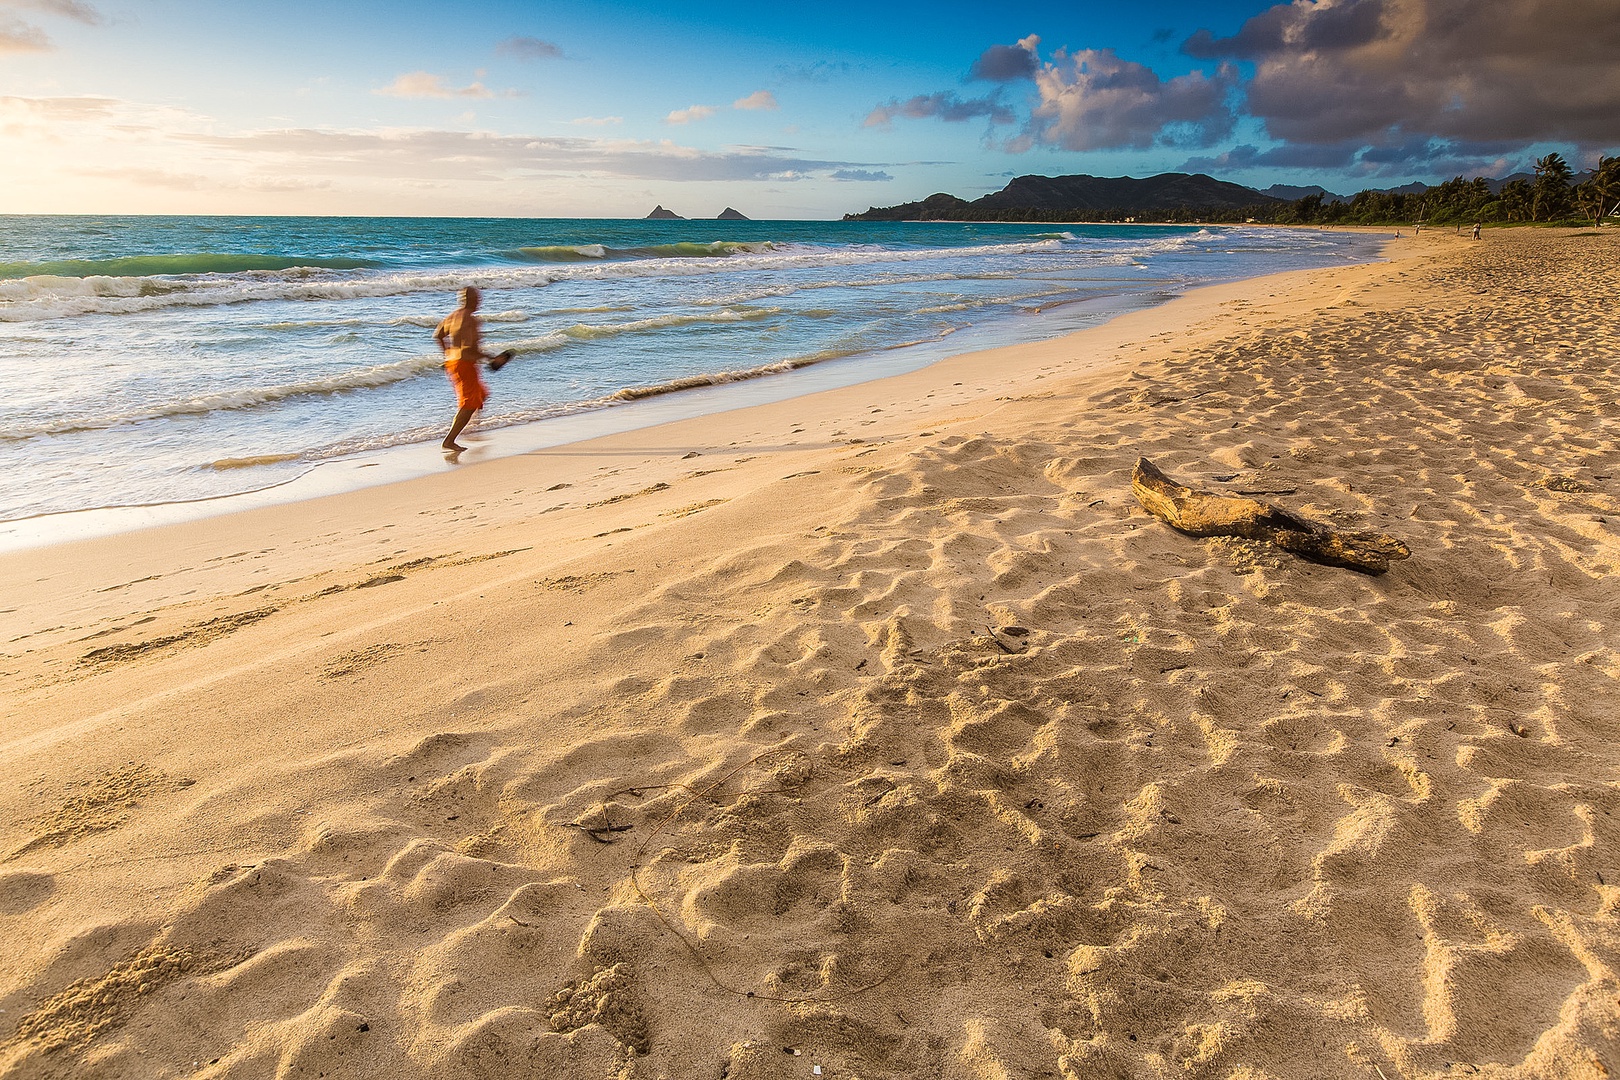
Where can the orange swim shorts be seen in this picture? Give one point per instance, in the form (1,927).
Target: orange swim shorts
(470,391)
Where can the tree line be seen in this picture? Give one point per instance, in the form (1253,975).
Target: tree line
(1550,197)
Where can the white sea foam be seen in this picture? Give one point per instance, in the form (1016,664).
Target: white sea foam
(36,298)
(244,398)
(372,377)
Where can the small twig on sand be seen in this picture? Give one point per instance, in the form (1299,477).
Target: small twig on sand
(595,831)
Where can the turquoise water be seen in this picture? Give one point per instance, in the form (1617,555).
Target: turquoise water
(153,359)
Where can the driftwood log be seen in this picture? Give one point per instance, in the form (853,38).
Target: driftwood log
(1202,513)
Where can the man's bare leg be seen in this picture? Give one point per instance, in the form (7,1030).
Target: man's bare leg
(462,417)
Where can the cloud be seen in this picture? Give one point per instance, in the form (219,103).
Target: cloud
(759,99)
(70,9)
(822,71)
(1285,156)
(1415,156)
(528,48)
(467,156)
(18,35)
(154,178)
(941,106)
(1007,63)
(1387,71)
(1087,100)
(597,121)
(1093,100)
(689,114)
(61,109)
(860,174)
(420,84)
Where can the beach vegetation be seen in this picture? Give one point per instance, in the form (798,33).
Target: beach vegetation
(1547,198)
(1598,197)
(1551,193)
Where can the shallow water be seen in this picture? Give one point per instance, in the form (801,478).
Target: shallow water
(155,360)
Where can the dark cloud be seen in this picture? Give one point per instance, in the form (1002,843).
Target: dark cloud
(450,155)
(1162,35)
(1471,71)
(860,174)
(1324,25)
(1286,156)
(528,48)
(1094,100)
(1007,63)
(1411,157)
(941,106)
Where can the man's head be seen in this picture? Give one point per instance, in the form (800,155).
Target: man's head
(469,298)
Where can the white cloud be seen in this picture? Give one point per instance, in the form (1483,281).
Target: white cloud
(1093,100)
(60,109)
(689,114)
(759,99)
(17,35)
(450,155)
(597,121)
(70,9)
(421,84)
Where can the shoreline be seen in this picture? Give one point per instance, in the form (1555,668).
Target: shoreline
(402,462)
(879,724)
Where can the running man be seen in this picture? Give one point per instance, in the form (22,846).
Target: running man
(460,340)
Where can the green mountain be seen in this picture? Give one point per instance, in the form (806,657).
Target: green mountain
(1083,197)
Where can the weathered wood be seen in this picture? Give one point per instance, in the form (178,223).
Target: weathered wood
(1201,513)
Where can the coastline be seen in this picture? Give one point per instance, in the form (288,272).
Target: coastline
(323,777)
(321,376)
(692,419)
(639,409)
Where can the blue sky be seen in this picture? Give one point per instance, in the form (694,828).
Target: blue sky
(603,109)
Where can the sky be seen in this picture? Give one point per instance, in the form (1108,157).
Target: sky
(606,108)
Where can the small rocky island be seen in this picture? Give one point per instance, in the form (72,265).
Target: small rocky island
(664,215)
(728,214)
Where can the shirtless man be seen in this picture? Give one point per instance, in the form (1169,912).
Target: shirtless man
(459,339)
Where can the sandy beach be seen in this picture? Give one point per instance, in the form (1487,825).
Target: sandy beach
(878,733)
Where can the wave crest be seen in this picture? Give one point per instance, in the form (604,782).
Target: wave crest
(140,266)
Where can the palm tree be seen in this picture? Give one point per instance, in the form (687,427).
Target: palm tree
(1551,199)
(1600,194)
(1515,200)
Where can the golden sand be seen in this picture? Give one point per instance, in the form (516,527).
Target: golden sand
(879,731)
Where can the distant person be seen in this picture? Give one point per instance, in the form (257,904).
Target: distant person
(1476,230)
(459,339)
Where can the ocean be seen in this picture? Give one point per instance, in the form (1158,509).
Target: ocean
(160,360)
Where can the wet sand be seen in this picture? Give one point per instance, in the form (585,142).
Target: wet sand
(879,730)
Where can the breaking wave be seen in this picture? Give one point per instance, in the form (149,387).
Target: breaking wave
(137,266)
(46,296)
(370,378)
